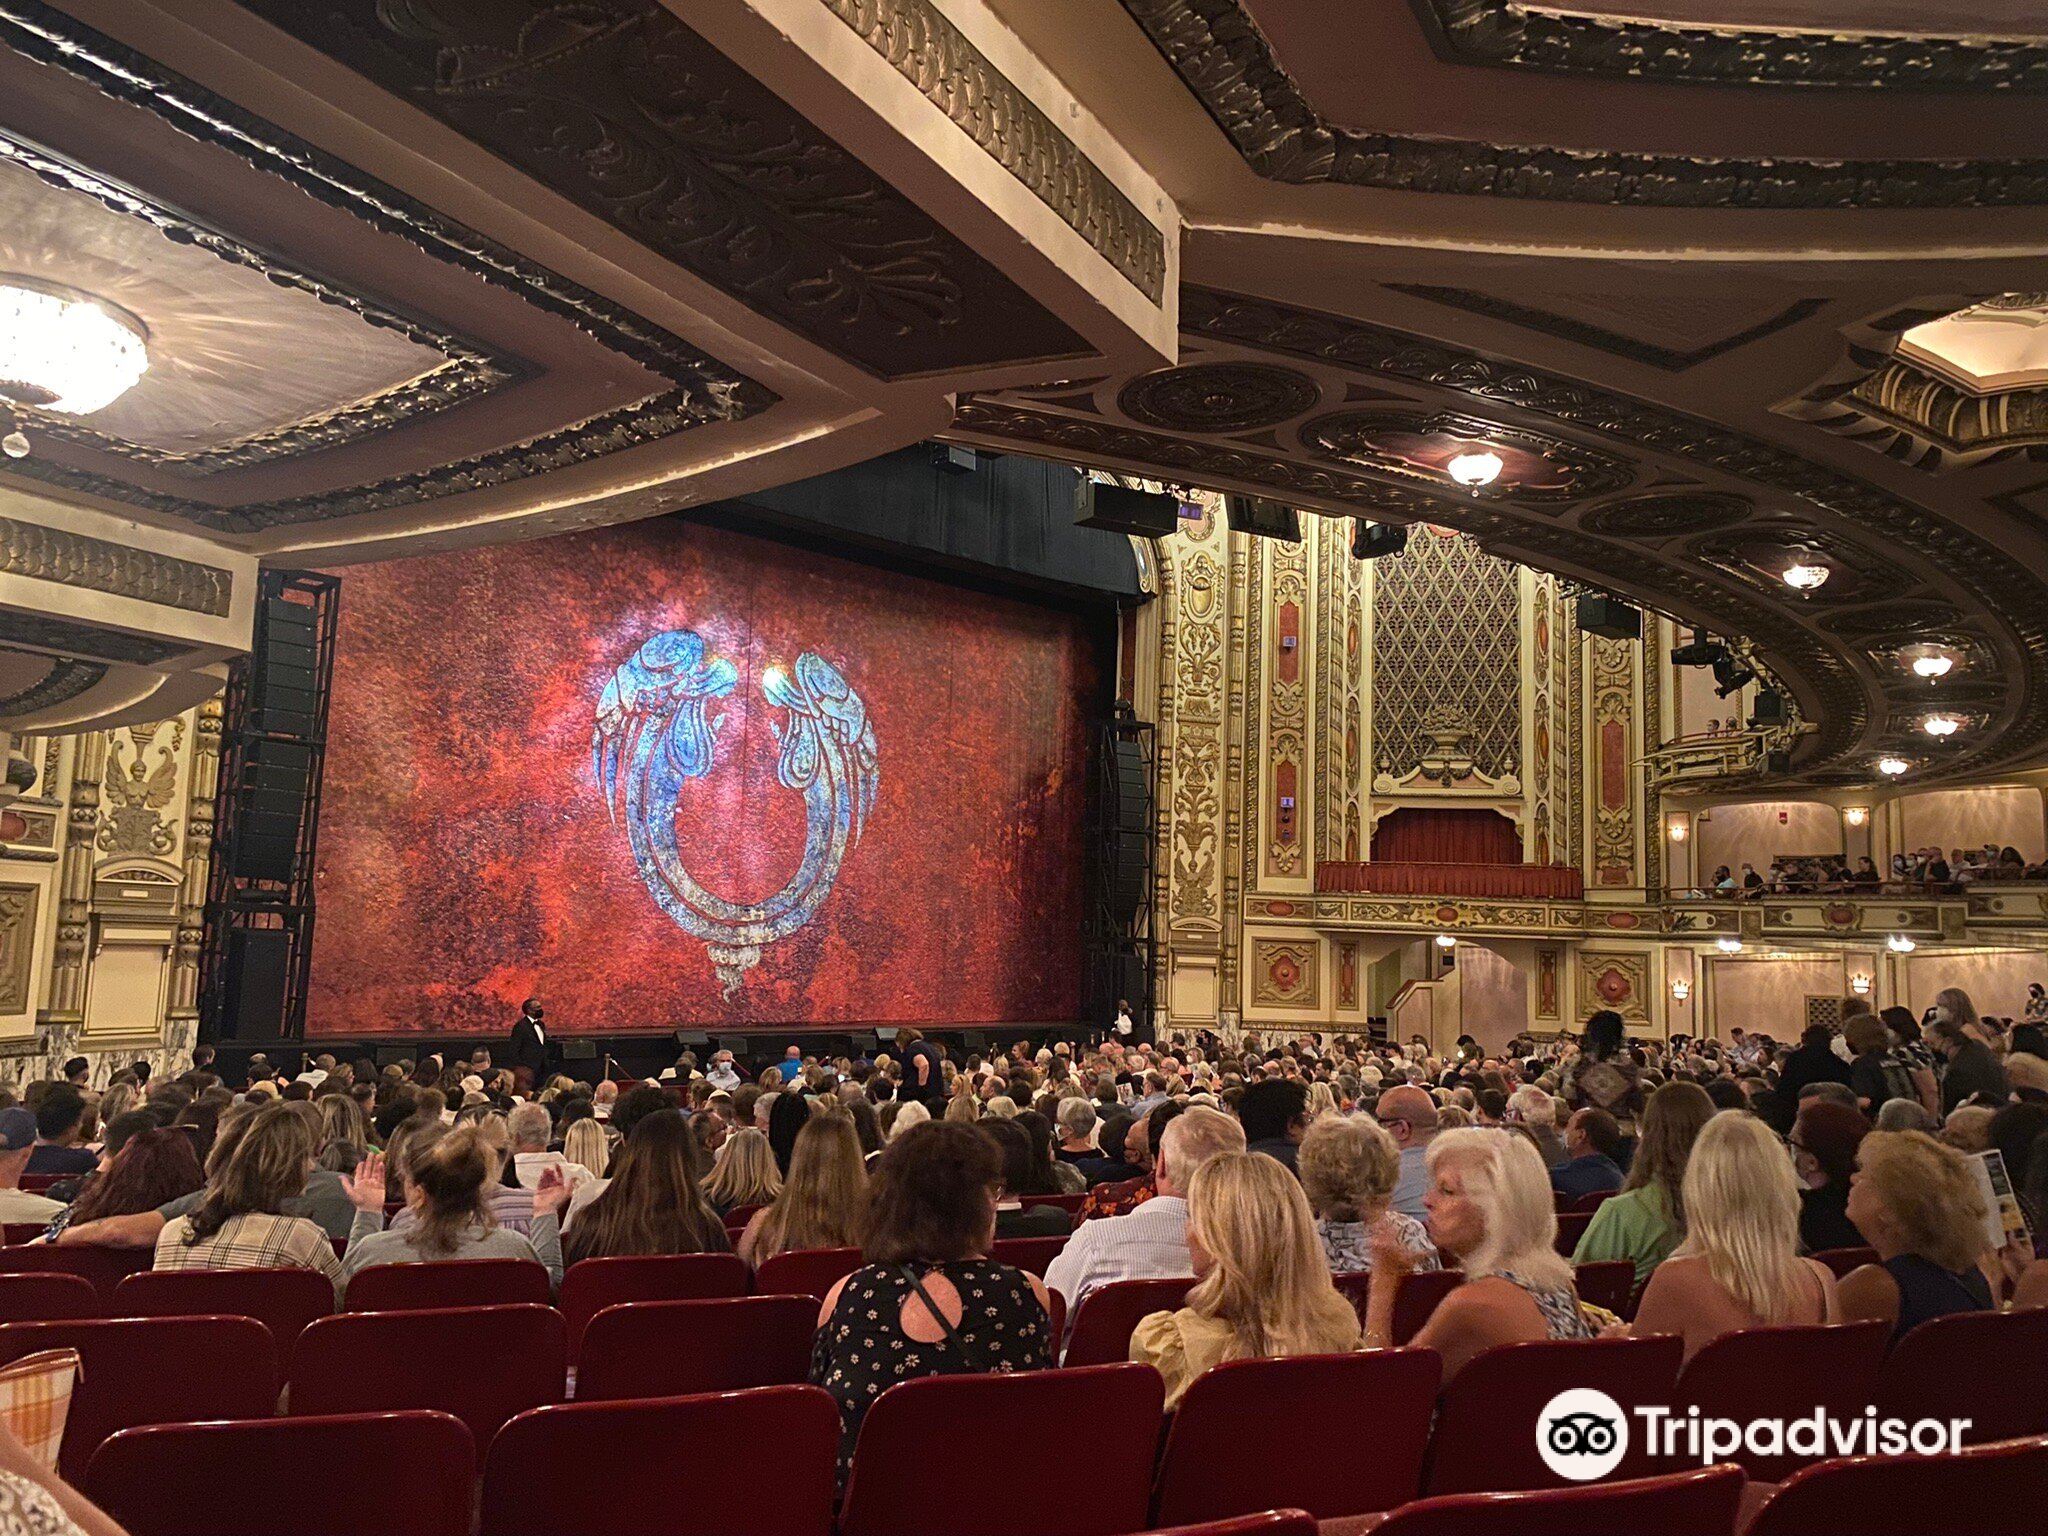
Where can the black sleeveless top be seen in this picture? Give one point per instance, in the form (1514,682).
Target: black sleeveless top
(862,1350)
(1926,1290)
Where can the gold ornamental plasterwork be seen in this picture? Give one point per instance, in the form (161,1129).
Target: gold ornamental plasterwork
(1241,738)
(1193,638)
(1613,684)
(119,570)
(18,906)
(1285,760)
(925,48)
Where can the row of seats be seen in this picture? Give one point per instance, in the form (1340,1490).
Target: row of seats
(763,1460)
(1986,1367)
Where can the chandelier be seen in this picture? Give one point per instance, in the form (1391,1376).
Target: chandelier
(65,351)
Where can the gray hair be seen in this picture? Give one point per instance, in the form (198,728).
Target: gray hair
(1077,1119)
(1906,1115)
(529,1126)
(1532,1106)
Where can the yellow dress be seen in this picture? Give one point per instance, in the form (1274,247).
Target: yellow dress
(1181,1345)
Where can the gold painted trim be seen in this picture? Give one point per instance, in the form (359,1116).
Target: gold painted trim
(99,565)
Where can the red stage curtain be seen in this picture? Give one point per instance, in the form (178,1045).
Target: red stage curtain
(1428,835)
(1557,882)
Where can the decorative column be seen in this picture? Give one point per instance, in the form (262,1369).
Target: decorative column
(74,883)
(184,994)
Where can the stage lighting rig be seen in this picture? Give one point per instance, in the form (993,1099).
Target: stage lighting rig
(1700,651)
(1731,676)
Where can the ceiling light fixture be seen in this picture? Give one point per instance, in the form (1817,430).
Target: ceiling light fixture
(65,351)
(1899,944)
(1941,726)
(1856,815)
(1804,577)
(1933,665)
(1475,467)
(1892,767)
(1729,946)
(1445,941)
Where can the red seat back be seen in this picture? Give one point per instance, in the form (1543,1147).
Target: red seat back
(22,1231)
(1995,1489)
(1697,1503)
(1590,1203)
(1107,1315)
(767,1459)
(1988,1367)
(450,1283)
(1263,1434)
(806,1272)
(104,1267)
(1781,1373)
(1842,1260)
(49,1298)
(1571,1226)
(672,1348)
(1418,1297)
(1032,1254)
(152,1370)
(482,1364)
(41,1183)
(397,1474)
(594,1284)
(1485,1438)
(1605,1283)
(1105,1418)
(1274,1522)
(283,1300)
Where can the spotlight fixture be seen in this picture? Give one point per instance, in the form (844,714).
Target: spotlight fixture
(1941,726)
(1803,576)
(1860,984)
(1732,675)
(1370,541)
(1933,664)
(1681,989)
(1700,651)
(1729,946)
(1899,944)
(1856,815)
(1445,941)
(1893,767)
(1475,467)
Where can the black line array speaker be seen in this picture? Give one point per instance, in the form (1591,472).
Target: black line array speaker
(276,777)
(1610,618)
(284,712)
(1262,516)
(258,961)
(1121,509)
(1129,828)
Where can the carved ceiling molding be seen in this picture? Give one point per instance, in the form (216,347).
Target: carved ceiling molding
(1367,437)
(1509,34)
(119,570)
(469,371)
(629,114)
(704,391)
(926,49)
(1226,62)
(1219,397)
(65,681)
(40,631)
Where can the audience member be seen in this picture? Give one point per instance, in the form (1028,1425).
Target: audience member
(151,1167)
(1605,1076)
(239,1221)
(17,1146)
(446,1191)
(1275,1117)
(1409,1115)
(1592,1144)
(652,1202)
(745,1174)
(1646,1221)
(1824,1141)
(823,1199)
(1021,1176)
(1348,1167)
(60,1121)
(1917,1203)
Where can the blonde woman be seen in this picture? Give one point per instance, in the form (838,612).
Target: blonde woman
(1916,1202)
(1262,1289)
(964,1110)
(1348,1166)
(239,1221)
(1001,1107)
(1739,1266)
(1322,1102)
(1491,1211)
(588,1145)
(824,1200)
(745,1173)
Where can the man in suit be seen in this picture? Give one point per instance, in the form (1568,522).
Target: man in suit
(531,1051)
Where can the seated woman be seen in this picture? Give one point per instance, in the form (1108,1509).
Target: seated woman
(1022,1176)
(447,1189)
(151,1169)
(823,1200)
(652,1202)
(1645,1222)
(1739,1266)
(589,1146)
(745,1173)
(1916,1202)
(1262,1289)
(928,1301)
(239,1221)
(1056,1175)
(1491,1211)
(1348,1166)
(1824,1140)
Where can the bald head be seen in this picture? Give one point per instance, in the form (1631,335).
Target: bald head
(1409,1114)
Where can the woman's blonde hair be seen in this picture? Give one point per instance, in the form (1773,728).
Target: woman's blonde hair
(587,1144)
(1270,1283)
(266,1167)
(118,1099)
(964,1110)
(1322,1100)
(1453,1118)
(824,1199)
(449,1179)
(1742,1214)
(909,1112)
(745,1173)
(1348,1166)
(1929,1192)
(1506,1180)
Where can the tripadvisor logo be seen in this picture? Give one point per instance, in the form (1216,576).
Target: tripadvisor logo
(1582,1434)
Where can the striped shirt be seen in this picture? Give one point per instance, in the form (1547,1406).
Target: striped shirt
(1149,1244)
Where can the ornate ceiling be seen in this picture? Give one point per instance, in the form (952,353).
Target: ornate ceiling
(419,273)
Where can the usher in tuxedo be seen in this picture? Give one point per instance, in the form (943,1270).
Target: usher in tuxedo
(531,1048)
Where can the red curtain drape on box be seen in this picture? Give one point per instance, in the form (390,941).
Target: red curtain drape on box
(1428,835)
(1556,882)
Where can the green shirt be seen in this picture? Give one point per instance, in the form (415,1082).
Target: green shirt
(1634,1225)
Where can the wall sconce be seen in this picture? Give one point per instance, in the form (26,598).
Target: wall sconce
(1681,989)
(1729,946)
(1676,829)
(1899,944)
(1445,941)
(1856,815)
(1860,984)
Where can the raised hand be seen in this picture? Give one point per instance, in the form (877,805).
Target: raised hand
(552,1193)
(366,1188)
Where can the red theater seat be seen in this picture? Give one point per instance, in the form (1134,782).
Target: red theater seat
(594,1284)
(1103,1325)
(1274,1522)
(1988,1367)
(152,1370)
(1420,1296)
(50,1298)
(392,1474)
(912,1470)
(1571,1226)
(1605,1283)
(14,1232)
(456,1283)
(1781,1373)
(1842,1260)
(1485,1437)
(1589,1203)
(1263,1434)
(1993,1490)
(671,1348)
(1027,1253)
(104,1267)
(808,1272)
(482,1364)
(1697,1503)
(765,1461)
(283,1300)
